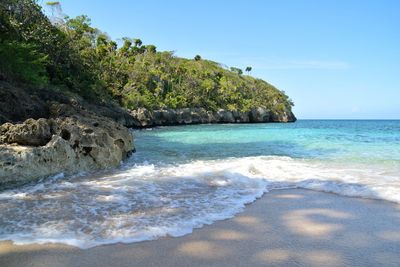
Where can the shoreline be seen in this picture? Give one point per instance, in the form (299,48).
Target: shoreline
(144,118)
(284,227)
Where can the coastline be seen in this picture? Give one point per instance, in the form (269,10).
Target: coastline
(284,227)
(144,118)
(67,134)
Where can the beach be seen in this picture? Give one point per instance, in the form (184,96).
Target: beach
(173,138)
(293,227)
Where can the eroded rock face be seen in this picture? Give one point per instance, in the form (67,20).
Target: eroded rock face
(259,115)
(146,118)
(31,132)
(286,116)
(143,117)
(18,105)
(44,147)
(224,116)
(164,117)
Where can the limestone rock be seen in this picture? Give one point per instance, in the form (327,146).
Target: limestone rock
(224,116)
(143,117)
(164,117)
(259,115)
(241,117)
(31,132)
(184,116)
(286,116)
(74,144)
(147,118)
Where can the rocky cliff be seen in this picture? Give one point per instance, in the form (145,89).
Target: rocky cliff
(145,118)
(61,135)
(44,147)
(44,132)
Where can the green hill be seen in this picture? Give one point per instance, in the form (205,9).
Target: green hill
(70,55)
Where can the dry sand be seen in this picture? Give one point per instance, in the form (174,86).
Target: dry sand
(283,228)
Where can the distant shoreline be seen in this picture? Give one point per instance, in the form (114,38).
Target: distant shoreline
(144,118)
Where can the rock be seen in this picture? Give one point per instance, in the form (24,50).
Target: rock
(44,131)
(146,118)
(113,112)
(184,116)
(286,116)
(31,133)
(65,144)
(196,115)
(259,115)
(143,117)
(20,102)
(164,117)
(204,115)
(241,117)
(17,104)
(224,116)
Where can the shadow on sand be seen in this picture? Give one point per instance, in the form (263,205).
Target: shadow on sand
(284,228)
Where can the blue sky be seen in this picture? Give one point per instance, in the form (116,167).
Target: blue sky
(335,59)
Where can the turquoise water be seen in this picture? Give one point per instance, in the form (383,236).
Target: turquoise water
(372,142)
(183,177)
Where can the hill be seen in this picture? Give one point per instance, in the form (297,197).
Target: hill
(70,55)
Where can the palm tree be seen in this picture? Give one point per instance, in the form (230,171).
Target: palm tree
(137,42)
(248,69)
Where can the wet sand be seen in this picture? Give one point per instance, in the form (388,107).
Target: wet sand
(284,228)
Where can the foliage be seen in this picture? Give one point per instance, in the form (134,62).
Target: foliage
(71,54)
(237,70)
(21,61)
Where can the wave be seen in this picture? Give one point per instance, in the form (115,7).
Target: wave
(145,201)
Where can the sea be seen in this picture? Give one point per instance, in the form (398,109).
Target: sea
(185,177)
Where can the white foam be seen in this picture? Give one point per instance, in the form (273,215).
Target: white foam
(144,202)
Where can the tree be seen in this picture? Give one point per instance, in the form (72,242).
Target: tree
(151,48)
(137,42)
(126,46)
(21,61)
(74,56)
(236,70)
(248,69)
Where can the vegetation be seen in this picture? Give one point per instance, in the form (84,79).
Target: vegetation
(68,53)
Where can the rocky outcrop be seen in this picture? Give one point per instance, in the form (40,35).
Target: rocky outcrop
(31,133)
(44,132)
(19,103)
(145,118)
(286,116)
(44,147)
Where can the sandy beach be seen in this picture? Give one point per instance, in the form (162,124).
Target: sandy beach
(283,228)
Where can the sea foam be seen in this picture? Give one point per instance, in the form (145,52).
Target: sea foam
(145,201)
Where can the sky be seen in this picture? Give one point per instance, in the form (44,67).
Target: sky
(335,59)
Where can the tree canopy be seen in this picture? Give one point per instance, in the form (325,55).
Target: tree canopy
(72,55)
